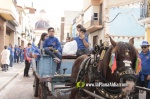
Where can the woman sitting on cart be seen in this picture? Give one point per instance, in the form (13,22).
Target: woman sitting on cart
(42,39)
(53,48)
(35,50)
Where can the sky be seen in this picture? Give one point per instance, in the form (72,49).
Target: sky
(54,8)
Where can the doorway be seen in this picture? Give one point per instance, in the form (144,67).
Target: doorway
(95,39)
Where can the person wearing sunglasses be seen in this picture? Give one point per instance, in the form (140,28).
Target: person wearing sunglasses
(53,48)
(145,63)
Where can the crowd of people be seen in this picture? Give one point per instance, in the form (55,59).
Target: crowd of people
(11,54)
(53,47)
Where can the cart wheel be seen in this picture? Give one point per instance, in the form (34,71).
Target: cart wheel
(42,94)
(35,86)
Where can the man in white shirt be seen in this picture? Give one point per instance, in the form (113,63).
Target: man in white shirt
(5,58)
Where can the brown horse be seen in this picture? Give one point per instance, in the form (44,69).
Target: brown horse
(124,72)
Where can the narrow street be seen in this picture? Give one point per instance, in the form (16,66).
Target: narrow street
(20,87)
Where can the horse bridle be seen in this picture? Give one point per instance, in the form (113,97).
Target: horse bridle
(126,69)
(121,73)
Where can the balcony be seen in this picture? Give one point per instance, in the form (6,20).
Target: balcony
(16,21)
(88,3)
(145,12)
(92,25)
(116,3)
(8,10)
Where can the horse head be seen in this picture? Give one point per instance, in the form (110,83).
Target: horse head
(119,65)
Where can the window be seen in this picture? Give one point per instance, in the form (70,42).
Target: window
(95,14)
(8,33)
(95,18)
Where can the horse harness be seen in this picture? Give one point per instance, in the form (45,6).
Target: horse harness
(89,67)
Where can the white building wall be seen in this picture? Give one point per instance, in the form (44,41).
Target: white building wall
(38,34)
(69,16)
(100,34)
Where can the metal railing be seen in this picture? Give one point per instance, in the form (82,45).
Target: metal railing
(145,9)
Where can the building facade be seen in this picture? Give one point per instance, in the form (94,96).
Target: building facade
(15,27)
(8,22)
(123,22)
(145,17)
(25,30)
(41,26)
(62,28)
(74,31)
(77,20)
(69,16)
(92,20)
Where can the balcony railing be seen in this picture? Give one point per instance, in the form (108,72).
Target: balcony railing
(93,24)
(145,10)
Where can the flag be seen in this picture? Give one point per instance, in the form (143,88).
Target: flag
(138,65)
(112,63)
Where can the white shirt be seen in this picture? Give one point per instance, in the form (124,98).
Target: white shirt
(5,56)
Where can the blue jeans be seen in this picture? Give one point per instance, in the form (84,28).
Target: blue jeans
(21,58)
(11,60)
(54,55)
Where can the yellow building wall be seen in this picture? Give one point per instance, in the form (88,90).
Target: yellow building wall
(148,35)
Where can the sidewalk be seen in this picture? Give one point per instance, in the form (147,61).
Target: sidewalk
(7,77)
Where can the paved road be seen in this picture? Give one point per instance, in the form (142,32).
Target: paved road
(20,88)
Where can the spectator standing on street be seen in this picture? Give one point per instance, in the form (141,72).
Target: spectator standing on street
(11,49)
(27,60)
(18,53)
(82,43)
(5,58)
(15,54)
(21,54)
(144,75)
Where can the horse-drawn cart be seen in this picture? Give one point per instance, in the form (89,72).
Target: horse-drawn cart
(46,81)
